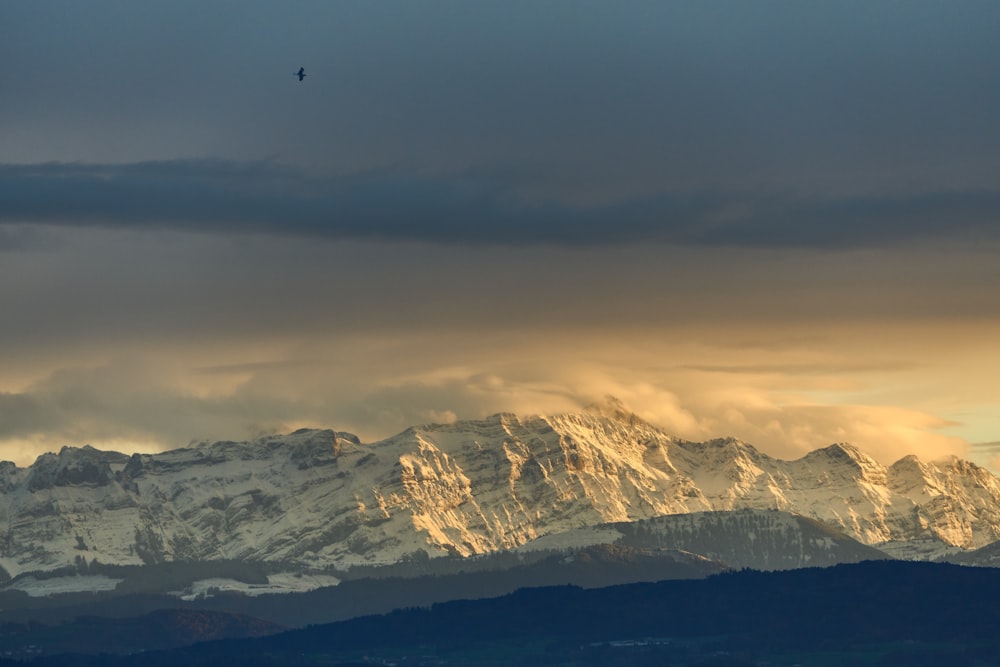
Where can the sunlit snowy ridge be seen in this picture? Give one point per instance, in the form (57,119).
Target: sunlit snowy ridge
(315,499)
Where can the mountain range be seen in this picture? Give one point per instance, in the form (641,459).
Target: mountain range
(317,500)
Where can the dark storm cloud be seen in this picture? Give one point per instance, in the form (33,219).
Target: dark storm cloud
(227,197)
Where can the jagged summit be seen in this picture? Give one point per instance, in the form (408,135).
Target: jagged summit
(846,457)
(844,452)
(73,466)
(319,497)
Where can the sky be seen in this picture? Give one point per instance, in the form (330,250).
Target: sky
(776,220)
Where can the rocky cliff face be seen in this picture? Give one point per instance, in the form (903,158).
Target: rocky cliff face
(318,497)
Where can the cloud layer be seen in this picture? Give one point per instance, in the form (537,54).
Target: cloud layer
(229,197)
(132,403)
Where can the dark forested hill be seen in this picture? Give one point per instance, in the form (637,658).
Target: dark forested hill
(917,609)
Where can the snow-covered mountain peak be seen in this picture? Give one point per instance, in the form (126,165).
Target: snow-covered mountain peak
(843,452)
(847,459)
(909,475)
(722,454)
(733,446)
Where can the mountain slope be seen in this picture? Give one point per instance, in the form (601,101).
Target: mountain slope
(318,498)
(758,539)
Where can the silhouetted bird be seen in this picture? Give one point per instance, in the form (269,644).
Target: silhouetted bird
(301,73)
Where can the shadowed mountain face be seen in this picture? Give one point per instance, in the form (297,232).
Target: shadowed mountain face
(757,539)
(988,556)
(318,498)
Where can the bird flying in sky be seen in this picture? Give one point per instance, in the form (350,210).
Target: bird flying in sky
(301,73)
